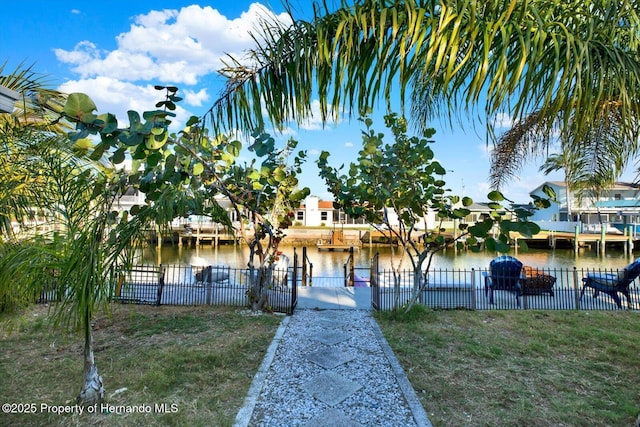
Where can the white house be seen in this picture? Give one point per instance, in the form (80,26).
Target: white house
(613,207)
(130,198)
(315,212)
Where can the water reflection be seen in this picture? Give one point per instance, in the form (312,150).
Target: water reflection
(332,263)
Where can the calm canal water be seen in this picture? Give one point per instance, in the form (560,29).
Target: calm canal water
(331,264)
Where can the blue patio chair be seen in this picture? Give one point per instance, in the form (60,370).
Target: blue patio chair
(611,283)
(505,274)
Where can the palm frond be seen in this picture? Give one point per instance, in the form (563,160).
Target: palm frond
(561,59)
(527,139)
(40,104)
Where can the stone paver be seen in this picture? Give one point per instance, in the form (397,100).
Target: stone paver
(329,365)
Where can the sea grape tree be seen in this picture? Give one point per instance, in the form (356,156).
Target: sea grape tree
(180,174)
(265,196)
(404,179)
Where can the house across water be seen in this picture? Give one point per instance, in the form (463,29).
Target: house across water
(616,209)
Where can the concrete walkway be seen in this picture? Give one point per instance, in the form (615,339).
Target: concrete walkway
(329,365)
(334,298)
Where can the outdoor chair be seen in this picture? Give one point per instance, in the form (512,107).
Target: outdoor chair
(612,283)
(505,274)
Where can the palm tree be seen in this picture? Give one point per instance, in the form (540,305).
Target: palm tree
(41,169)
(36,117)
(566,162)
(39,106)
(83,245)
(596,158)
(570,60)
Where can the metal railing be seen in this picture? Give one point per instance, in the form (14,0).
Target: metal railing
(350,272)
(197,285)
(443,288)
(306,276)
(469,289)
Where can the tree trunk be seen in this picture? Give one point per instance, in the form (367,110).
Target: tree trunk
(397,279)
(258,296)
(92,389)
(419,283)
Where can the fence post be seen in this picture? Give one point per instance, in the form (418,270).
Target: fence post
(473,288)
(576,294)
(209,286)
(344,271)
(374,275)
(304,266)
(160,284)
(295,259)
(294,282)
(351,266)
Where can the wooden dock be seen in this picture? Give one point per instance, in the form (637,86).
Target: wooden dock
(601,241)
(375,237)
(336,241)
(203,236)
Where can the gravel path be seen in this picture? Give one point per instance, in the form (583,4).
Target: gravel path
(331,368)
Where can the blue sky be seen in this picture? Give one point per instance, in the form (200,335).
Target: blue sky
(117,51)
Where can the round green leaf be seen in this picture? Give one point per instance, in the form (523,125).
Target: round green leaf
(80,106)
(234,148)
(155,142)
(495,196)
(118,156)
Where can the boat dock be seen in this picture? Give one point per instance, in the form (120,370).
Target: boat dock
(206,238)
(601,241)
(336,241)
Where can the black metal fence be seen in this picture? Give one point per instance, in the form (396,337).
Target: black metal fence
(542,289)
(198,285)
(547,289)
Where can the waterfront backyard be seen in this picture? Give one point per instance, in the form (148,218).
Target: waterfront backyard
(497,368)
(561,368)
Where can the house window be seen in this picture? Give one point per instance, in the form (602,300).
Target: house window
(300,216)
(323,216)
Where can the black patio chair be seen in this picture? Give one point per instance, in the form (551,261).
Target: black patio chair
(505,274)
(612,284)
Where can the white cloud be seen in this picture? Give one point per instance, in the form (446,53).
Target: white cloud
(176,46)
(503,121)
(83,52)
(167,47)
(196,99)
(348,144)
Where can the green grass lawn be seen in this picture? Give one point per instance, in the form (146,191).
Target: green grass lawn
(517,368)
(498,368)
(196,361)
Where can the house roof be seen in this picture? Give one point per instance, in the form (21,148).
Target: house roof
(479,206)
(324,204)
